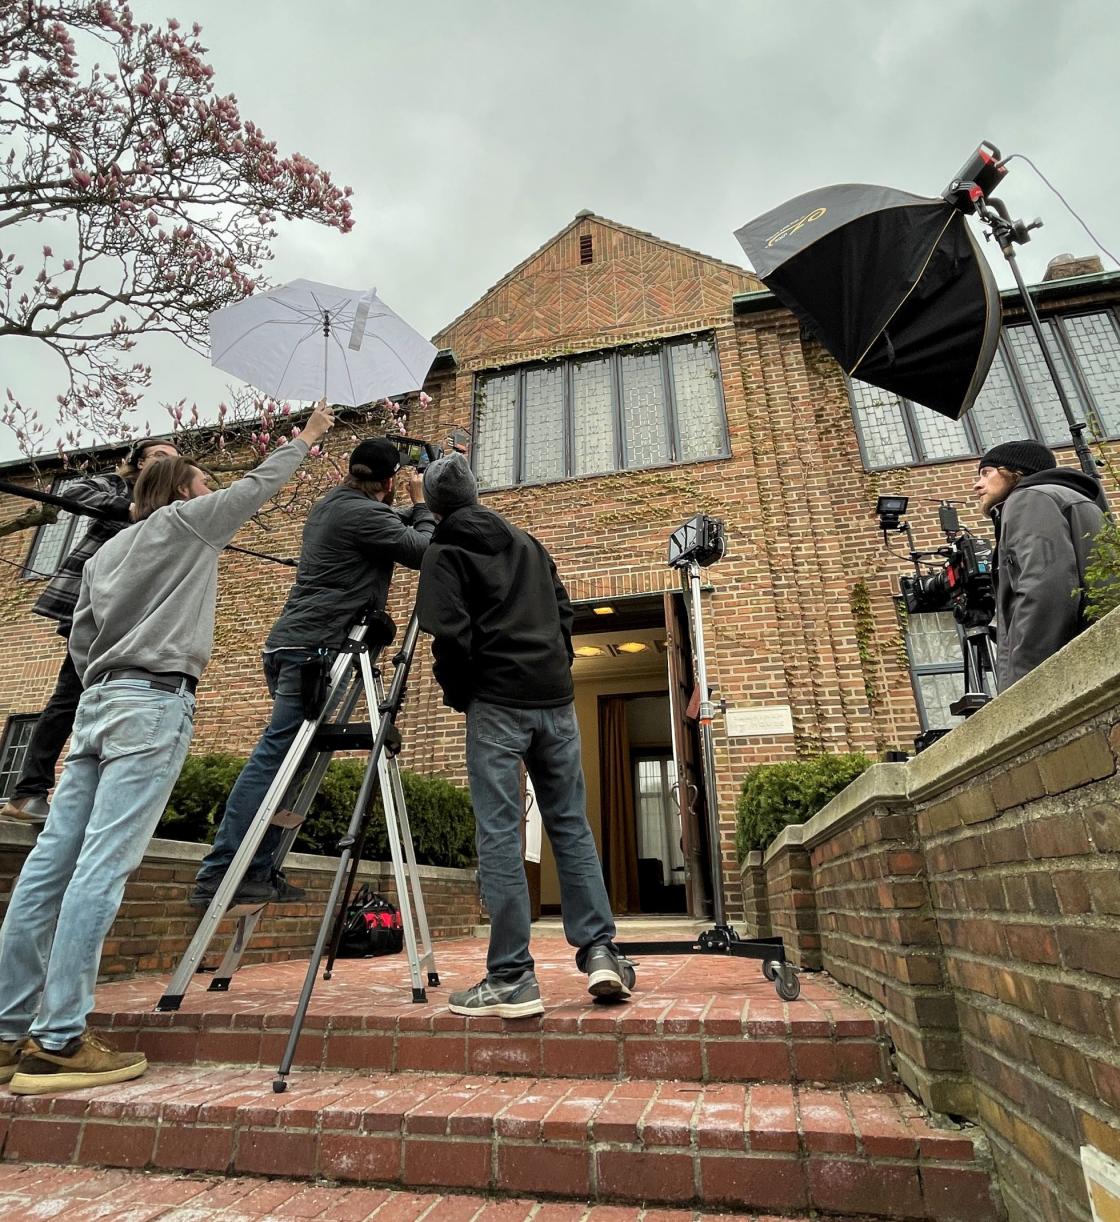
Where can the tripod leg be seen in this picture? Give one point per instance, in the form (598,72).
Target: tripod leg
(340,916)
(361,809)
(427,956)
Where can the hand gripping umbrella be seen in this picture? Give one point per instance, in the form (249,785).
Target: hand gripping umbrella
(893,285)
(311,341)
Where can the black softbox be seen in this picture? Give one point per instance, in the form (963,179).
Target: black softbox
(893,285)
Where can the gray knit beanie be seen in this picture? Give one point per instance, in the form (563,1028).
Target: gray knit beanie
(449,484)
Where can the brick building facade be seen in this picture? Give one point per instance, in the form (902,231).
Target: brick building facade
(615,385)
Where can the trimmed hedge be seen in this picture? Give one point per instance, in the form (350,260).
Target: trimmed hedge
(773,796)
(439,813)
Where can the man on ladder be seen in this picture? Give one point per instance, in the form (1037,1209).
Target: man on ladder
(351,541)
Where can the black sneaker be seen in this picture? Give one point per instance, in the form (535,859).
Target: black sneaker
(251,891)
(284,892)
(610,977)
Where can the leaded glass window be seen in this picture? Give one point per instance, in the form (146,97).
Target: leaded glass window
(694,370)
(1095,344)
(645,426)
(543,428)
(879,417)
(1018,398)
(54,542)
(495,429)
(592,417)
(633,407)
(933,644)
(13,751)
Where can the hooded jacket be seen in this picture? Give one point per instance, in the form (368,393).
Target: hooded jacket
(1044,532)
(500,618)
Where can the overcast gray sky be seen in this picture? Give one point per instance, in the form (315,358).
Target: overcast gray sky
(471,132)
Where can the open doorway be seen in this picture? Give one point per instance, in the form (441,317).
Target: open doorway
(640,758)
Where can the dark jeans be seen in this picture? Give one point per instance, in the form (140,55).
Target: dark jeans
(282,675)
(498,740)
(36,779)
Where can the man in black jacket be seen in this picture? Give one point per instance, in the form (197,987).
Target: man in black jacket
(502,628)
(1046,518)
(351,540)
(110,494)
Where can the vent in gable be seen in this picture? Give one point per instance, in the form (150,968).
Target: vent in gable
(586,255)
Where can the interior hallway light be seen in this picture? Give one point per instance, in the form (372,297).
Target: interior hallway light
(605,610)
(589,651)
(633,646)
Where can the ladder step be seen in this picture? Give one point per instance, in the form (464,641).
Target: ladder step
(287,819)
(354,737)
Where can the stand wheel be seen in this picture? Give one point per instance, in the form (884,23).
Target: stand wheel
(786,982)
(770,968)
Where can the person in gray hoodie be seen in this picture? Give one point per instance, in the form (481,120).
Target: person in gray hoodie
(142,635)
(1046,518)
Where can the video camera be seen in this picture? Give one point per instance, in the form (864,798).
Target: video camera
(963,582)
(414,453)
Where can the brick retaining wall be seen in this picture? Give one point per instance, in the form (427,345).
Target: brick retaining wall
(974,894)
(155,923)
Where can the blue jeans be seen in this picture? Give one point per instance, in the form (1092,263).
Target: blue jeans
(282,675)
(127,747)
(547,740)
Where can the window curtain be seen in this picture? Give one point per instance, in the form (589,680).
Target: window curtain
(620,840)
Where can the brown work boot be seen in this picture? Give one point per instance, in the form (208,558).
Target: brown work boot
(10,1053)
(32,810)
(85,1061)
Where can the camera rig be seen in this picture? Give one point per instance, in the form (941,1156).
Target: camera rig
(960,582)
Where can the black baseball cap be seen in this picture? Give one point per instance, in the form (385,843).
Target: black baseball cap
(377,457)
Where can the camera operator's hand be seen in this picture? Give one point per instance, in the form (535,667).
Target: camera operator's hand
(415,486)
(319,424)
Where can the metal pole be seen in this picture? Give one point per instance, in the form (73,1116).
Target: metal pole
(1004,236)
(326,348)
(707,746)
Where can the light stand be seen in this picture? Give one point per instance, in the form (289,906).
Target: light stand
(969,193)
(700,541)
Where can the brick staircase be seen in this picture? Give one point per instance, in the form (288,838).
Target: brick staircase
(705,1092)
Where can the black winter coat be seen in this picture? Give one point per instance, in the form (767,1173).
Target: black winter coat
(500,618)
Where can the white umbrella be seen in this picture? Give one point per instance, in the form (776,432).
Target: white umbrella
(310,341)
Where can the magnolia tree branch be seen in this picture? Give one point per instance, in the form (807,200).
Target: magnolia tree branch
(167,199)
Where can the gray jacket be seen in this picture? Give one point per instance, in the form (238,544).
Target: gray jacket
(148,595)
(1044,533)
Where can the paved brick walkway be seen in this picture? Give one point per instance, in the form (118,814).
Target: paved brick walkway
(75,1194)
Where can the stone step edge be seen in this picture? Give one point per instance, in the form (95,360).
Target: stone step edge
(605,1141)
(35,1188)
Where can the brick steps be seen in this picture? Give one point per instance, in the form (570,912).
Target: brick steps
(773,1148)
(38,1191)
(702,1019)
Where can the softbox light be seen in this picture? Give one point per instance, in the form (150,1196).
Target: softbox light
(893,285)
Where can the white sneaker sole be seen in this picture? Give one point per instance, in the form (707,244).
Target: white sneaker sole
(504,1009)
(606,983)
(48,1083)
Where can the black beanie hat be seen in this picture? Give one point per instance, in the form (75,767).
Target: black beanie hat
(378,456)
(1026,457)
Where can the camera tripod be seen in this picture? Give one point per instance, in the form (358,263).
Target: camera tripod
(721,939)
(354,673)
(978,661)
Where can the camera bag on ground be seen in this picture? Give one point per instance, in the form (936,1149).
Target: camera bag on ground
(373,927)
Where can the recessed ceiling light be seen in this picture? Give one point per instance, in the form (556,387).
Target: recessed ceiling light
(633,646)
(589,651)
(604,610)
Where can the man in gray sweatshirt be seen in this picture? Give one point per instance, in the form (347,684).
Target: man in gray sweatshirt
(143,632)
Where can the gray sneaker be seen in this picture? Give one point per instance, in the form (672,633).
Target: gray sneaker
(506,999)
(610,977)
(26,810)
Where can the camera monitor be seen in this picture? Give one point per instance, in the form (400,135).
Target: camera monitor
(413,452)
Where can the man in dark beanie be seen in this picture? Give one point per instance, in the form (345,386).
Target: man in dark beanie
(351,540)
(1046,518)
(502,627)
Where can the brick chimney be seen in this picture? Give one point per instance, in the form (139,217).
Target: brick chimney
(1062,267)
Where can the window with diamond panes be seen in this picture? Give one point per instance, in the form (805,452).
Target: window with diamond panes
(600,412)
(1095,344)
(645,432)
(997,415)
(694,370)
(496,430)
(54,542)
(543,428)
(1040,386)
(933,645)
(879,419)
(940,437)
